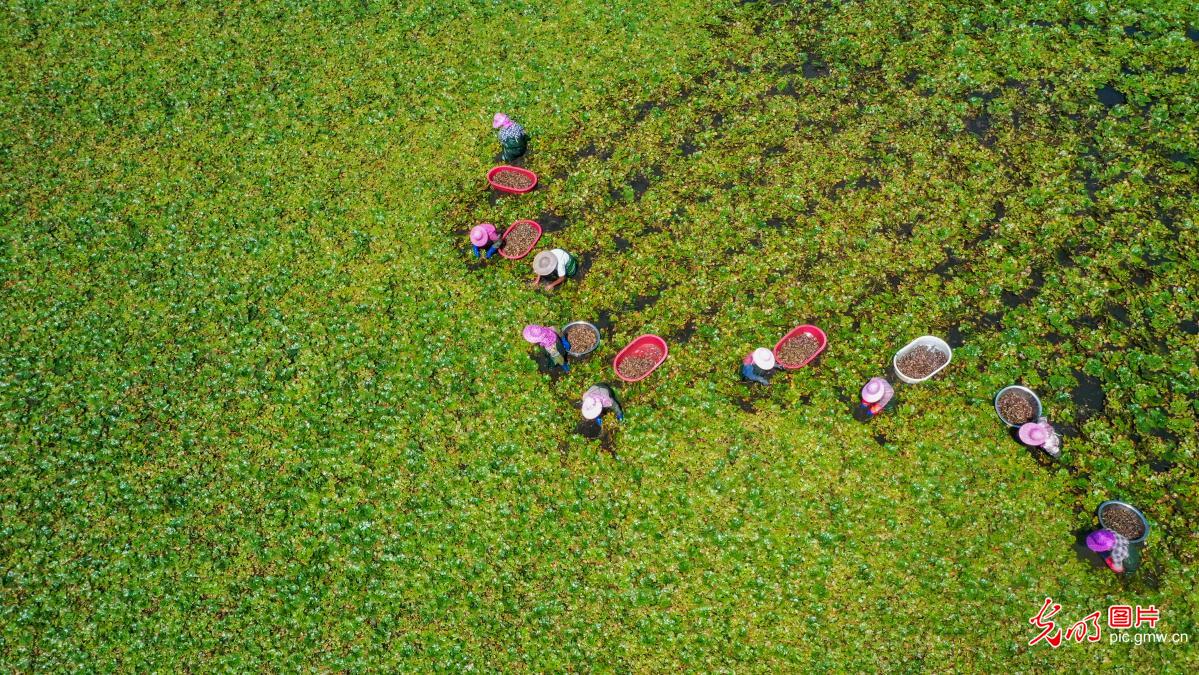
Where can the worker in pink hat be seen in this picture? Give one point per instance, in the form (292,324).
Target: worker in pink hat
(1040,434)
(1121,557)
(512,137)
(756,365)
(485,240)
(597,399)
(876,394)
(554,344)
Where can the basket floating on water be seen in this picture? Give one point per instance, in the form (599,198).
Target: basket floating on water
(1028,396)
(922,341)
(517,256)
(821,343)
(566,330)
(646,346)
(529,175)
(1111,506)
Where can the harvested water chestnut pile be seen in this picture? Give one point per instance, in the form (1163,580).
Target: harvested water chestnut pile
(512,180)
(798,349)
(1122,521)
(640,362)
(921,361)
(519,240)
(582,339)
(1015,407)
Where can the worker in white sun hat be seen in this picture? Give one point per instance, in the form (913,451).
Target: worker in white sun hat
(876,394)
(597,399)
(756,365)
(554,266)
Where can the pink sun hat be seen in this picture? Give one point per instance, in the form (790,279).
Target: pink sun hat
(874,390)
(500,120)
(1035,433)
(1101,541)
(541,335)
(533,333)
(483,234)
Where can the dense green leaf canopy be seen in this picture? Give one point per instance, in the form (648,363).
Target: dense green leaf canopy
(261,409)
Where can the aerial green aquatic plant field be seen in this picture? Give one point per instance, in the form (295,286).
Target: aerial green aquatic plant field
(261,409)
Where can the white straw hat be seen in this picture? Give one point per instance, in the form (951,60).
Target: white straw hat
(763,358)
(545,263)
(592,407)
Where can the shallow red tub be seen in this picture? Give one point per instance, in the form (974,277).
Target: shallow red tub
(524,172)
(821,342)
(638,347)
(531,246)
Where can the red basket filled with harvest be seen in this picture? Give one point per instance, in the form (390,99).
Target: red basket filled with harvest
(798,347)
(512,179)
(639,358)
(520,238)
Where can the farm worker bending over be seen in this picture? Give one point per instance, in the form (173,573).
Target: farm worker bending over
(512,136)
(876,395)
(483,235)
(755,366)
(1040,434)
(549,340)
(596,399)
(555,265)
(1121,557)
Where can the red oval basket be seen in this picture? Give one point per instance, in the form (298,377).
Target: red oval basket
(821,343)
(633,347)
(531,246)
(524,172)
